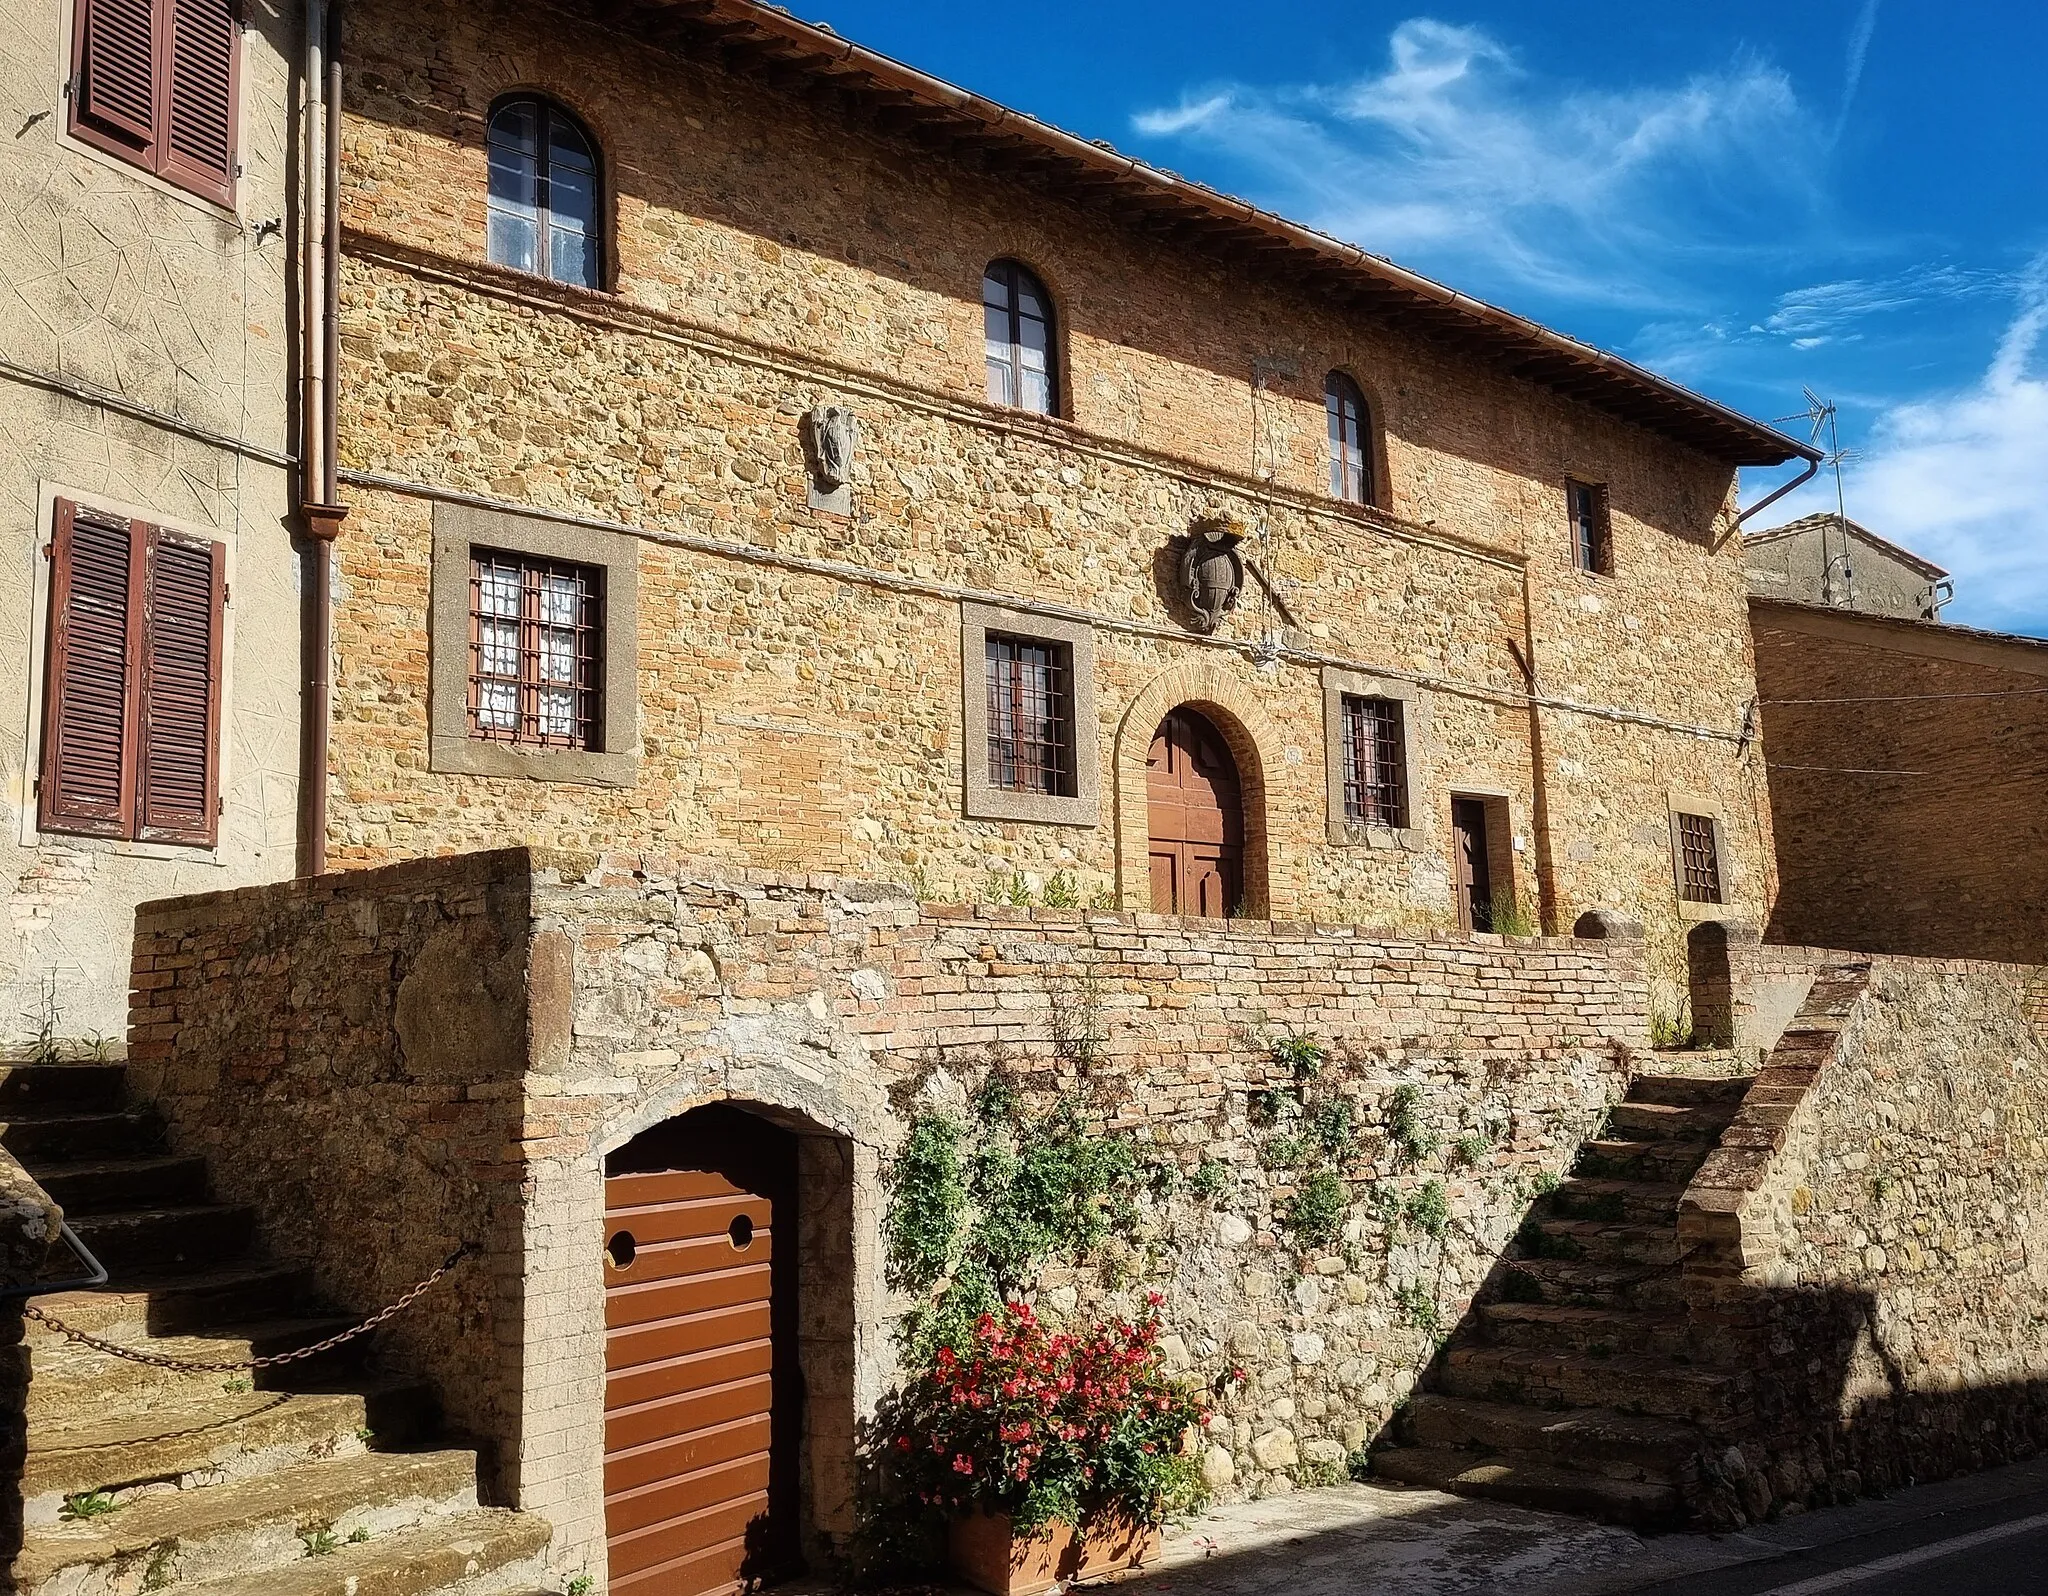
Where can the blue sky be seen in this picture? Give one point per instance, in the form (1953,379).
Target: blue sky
(1848,195)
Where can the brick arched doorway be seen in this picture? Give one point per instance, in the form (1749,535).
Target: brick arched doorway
(1194,805)
(703,1400)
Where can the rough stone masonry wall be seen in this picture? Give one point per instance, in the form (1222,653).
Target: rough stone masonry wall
(1875,1224)
(767,256)
(403,1058)
(1948,857)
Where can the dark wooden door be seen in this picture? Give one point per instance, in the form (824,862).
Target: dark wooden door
(701,1394)
(1196,818)
(1470,866)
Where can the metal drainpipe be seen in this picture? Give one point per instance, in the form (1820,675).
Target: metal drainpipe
(1771,498)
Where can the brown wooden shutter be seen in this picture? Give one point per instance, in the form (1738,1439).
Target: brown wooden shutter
(199,151)
(115,67)
(181,659)
(89,731)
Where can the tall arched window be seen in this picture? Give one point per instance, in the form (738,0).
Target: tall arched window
(543,203)
(1350,440)
(1016,314)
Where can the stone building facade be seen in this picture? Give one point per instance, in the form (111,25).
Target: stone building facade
(1831,560)
(795,667)
(1906,769)
(145,375)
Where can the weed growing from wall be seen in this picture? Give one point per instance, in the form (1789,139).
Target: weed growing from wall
(1405,1128)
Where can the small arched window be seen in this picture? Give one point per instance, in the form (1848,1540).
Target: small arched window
(1350,440)
(1016,314)
(543,202)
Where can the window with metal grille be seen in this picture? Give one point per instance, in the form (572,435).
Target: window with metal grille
(1592,547)
(1375,764)
(1017,326)
(1699,860)
(1030,716)
(543,192)
(154,82)
(1350,442)
(535,671)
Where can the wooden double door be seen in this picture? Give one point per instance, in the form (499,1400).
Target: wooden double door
(1195,817)
(702,1397)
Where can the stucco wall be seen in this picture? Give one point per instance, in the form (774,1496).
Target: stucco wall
(113,281)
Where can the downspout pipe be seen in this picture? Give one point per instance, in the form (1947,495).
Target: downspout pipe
(1771,498)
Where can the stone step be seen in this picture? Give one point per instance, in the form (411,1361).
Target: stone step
(1626,1383)
(69,1378)
(1690,1091)
(40,1140)
(140,1303)
(1648,1287)
(163,1239)
(96,1185)
(27,1088)
(1587,1331)
(247,1526)
(1597,1241)
(1593,1440)
(1528,1483)
(487,1550)
(1625,1158)
(219,1436)
(1664,1122)
(1603,1197)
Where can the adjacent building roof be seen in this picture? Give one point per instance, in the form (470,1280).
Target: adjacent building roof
(766,41)
(1828,519)
(1936,639)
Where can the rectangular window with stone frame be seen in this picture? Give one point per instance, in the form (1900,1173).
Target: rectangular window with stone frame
(1030,715)
(1028,701)
(1375,761)
(1696,850)
(536,650)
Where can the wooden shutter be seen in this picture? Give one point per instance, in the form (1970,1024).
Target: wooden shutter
(115,68)
(89,731)
(179,799)
(199,143)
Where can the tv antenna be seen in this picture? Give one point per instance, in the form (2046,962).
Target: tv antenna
(1821,416)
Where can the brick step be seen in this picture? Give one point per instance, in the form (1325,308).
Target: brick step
(69,1379)
(31,1087)
(220,1436)
(95,1185)
(1597,1241)
(163,1239)
(1589,1332)
(1603,1197)
(485,1551)
(1664,1122)
(1529,1483)
(1646,1287)
(1628,1384)
(247,1526)
(1592,1440)
(1626,1158)
(1690,1091)
(40,1140)
(141,1303)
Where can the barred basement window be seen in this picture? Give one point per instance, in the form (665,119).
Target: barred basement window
(1375,766)
(536,667)
(1699,859)
(1030,716)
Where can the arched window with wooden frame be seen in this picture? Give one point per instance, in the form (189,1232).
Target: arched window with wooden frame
(1350,440)
(1017,322)
(544,192)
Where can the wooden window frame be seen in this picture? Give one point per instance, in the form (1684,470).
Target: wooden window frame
(1417,718)
(549,111)
(982,797)
(1375,756)
(1592,541)
(1014,274)
(533,630)
(1688,825)
(149,148)
(1341,392)
(1030,714)
(134,816)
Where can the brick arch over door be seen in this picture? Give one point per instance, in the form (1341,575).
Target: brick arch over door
(1214,692)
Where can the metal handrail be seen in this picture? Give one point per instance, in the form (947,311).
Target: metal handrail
(42,1288)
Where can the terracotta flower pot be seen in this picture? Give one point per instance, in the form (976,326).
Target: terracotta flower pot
(984,1551)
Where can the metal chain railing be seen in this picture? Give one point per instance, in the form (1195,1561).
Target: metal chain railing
(158,1360)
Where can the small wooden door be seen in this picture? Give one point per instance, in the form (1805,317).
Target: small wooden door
(700,1392)
(1470,865)
(1196,818)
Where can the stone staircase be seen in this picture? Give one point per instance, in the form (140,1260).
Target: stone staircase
(321,1478)
(1580,1383)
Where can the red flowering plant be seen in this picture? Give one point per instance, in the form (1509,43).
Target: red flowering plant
(1034,1425)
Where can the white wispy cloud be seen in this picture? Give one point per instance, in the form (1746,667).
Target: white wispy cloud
(1820,312)
(1456,154)
(1859,52)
